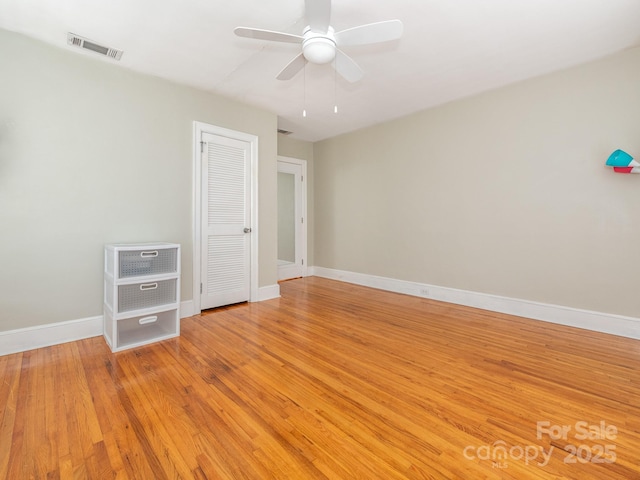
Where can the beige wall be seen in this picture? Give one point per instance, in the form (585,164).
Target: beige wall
(291,147)
(91,153)
(504,193)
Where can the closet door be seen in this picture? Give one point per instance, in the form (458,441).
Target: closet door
(226,221)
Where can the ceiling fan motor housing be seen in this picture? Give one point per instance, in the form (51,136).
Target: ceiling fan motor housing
(319,48)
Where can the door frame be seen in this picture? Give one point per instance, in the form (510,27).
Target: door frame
(301,242)
(198,129)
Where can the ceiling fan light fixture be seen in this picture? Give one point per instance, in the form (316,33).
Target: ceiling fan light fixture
(319,50)
(322,45)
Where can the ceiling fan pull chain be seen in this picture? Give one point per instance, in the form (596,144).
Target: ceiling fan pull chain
(335,86)
(304,91)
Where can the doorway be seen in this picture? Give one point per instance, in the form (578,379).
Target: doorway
(292,221)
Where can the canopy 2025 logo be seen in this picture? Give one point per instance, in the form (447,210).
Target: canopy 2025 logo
(594,441)
(582,442)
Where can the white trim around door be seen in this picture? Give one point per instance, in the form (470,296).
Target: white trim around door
(200,128)
(297,268)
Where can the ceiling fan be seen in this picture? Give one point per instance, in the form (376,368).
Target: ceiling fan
(320,43)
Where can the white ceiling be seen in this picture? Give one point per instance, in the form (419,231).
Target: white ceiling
(450,48)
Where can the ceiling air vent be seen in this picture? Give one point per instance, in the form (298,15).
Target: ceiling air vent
(284,132)
(81,42)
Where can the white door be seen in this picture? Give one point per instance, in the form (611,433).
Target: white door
(292,225)
(226,221)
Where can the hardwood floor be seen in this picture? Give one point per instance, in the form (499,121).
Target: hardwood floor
(330,381)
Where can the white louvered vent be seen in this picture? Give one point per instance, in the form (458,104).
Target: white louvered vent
(81,42)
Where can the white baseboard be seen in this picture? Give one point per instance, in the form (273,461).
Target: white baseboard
(186,309)
(20,340)
(573,317)
(23,339)
(268,292)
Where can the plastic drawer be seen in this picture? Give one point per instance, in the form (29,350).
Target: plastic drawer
(137,296)
(145,262)
(146,329)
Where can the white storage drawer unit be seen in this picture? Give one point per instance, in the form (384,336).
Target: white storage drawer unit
(141,294)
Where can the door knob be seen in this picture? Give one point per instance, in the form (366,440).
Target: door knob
(247,230)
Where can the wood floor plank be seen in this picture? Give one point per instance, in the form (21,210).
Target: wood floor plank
(330,381)
(10,374)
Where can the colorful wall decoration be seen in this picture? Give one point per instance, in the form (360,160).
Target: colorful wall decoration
(622,162)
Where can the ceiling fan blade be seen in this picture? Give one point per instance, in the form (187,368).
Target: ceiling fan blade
(293,67)
(370,33)
(318,14)
(346,67)
(267,35)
